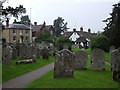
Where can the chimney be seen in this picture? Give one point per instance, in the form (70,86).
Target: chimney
(74,29)
(35,23)
(44,24)
(7,22)
(81,29)
(89,30)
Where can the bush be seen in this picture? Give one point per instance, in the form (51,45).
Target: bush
(62,41)
(101,42)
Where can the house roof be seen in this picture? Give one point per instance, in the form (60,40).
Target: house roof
(81,33)
(18,26)
(41,27)
(81,39)
(37,27)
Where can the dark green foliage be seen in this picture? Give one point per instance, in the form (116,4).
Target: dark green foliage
(44,36)
(10,11)
(60,26)
(101,42)
(13,11)
(25,20)
(112,30)
(63,41)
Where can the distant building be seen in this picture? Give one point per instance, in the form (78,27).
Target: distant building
(37,29)
(80,37)
(19,33)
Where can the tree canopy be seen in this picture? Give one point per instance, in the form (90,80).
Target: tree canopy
(44,36)
(112,29)
(23,20)
(15,12)
(60,26)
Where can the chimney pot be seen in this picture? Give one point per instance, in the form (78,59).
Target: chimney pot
(81,29)
(7,22)
(74,29)
(35,23)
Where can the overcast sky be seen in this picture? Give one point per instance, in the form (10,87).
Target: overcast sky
(85,13)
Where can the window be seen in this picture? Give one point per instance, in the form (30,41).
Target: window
(26,32)
(26,38)
(51,32)
(14,31)
(14,38)
(20,32)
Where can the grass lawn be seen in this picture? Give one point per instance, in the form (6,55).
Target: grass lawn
(13,70)
(82,79)
(75,49)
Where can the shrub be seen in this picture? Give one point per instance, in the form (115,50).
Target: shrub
(101,42)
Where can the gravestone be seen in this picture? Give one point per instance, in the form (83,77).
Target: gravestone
(112,48)
(98,59)
(31,51)
(39,52)
(64,64)
(22,51)
(45,53)
(80,60)
(115,64)
(7,55)
(75,46)
(15,51)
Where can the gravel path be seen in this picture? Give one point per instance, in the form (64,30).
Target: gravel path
(23,80)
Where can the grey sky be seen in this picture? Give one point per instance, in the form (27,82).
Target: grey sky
(76,12)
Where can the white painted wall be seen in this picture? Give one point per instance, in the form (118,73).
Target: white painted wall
(74,36)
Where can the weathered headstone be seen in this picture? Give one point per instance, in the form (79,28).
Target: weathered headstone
(75,46)
(64,64)
(22,51)
(80,60)
(115,64)
(112,48)
(15,51)
(39,52)
(31,51)
(45,53)
(7,55)
(98,59)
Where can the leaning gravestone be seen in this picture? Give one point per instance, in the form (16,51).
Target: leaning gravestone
(45,53)
(80,60)
(98,59)
(64,64)
(115,64)
(7,55)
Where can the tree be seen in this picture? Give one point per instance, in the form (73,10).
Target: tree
(44,36)
(112,29)
(15,12)
(25,20)
(60,26)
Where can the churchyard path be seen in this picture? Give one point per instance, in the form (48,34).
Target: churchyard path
(23,80)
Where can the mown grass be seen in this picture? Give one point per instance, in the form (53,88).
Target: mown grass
(82,79)
(75,49)
(13,70)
